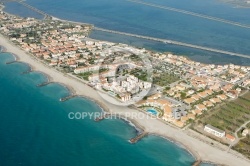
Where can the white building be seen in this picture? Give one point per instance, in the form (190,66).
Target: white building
(125,97)
(215,131)
(245,132)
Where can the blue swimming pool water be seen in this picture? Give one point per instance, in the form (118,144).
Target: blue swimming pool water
(152,111)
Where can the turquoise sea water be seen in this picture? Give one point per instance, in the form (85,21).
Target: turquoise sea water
(35,129)
(136,18)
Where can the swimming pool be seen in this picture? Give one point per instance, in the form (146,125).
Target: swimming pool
(152,111)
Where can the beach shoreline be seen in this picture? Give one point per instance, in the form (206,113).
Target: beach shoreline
(202,152)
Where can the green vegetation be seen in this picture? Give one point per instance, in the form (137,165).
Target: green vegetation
(230,116)
(167,88)
(103,70)
(248,125)
(140,74)
(183,95)
(85,75)
(165,79)
(243,146)
(135,57)
(91,59)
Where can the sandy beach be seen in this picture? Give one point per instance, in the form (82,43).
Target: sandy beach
(200,149)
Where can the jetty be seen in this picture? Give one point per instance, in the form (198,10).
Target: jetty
(27,72)
(46,16)
(4,1)
(98,119)
(67,98)
(197,163)
(138,137)
(191,13)
(167,41)
(44,84)
(7,63)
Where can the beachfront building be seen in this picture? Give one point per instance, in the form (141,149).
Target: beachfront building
(161,104)
(215,131)
(125,97)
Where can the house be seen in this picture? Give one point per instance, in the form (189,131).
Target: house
(222,97)
(198,112)
(178,123)
(215,100)
(155,96)
(201,107)
(125,97)
(233,94)
(191,116)
(208,103)
(230,137)
(180,88)
(189,101)
(208,92)
(227,87)
(184,119)
(196,97)
(245,132)
(215,131)
(202,94)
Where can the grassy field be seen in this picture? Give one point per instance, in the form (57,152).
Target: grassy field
(230,116)
(165,79)
(243,146)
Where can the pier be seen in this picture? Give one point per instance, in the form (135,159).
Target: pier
(98,119)
(44,84)
(4,1)
(7,63)
(138,137)
(27,72)
(166,41)
(46,16)
(191,13)
(67,98)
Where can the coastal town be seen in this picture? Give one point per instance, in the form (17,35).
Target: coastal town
(173,88)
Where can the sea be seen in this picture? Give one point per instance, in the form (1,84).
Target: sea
(35,128)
